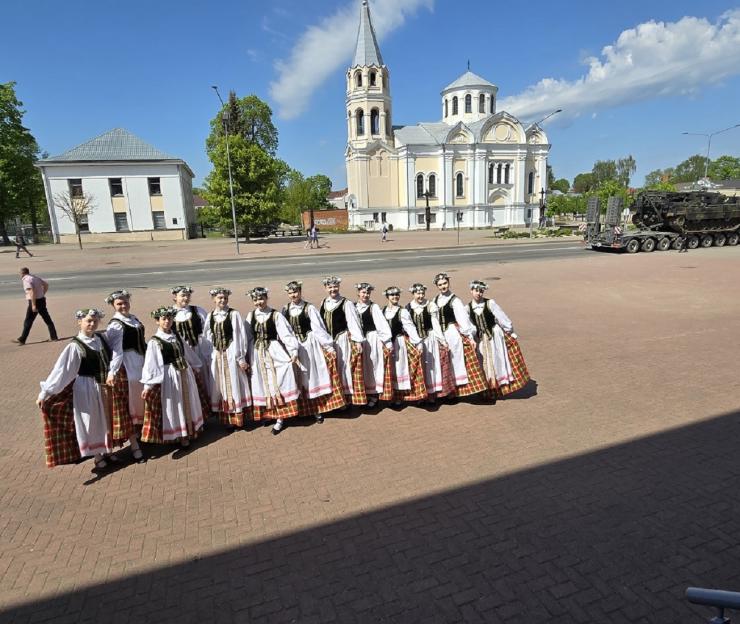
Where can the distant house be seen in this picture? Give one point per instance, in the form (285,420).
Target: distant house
(139,192)
(338,199)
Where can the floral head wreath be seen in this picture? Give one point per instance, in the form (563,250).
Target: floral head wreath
(365,286)
(219,290)
(392,290)
(478,285)
(164,312)
(417,288)
(258,292)
(293,286)
(441,276)
(331,279)
(117,294)
(94,312)
(178,289)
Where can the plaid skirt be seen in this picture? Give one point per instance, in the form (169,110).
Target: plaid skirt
(326,402)
(205,403)
(122,425)
(448,374)
(476,377)
(359,397)
(418,390)
(287,410)
(518,367)
(60,437)
(233,419)
(151,431)
(389,378)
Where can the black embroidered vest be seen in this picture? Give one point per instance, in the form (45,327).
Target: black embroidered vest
(422,318)
(191,329)
(366,320)
(335,320)
(485,321)
(94,363)
(173,353)
(264,332)
(395,323)
(223,333)
(133,337)
(446,313)
(300,323)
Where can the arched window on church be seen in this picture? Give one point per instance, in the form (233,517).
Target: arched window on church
(498,173)
(432,185)
(360,119)
(446,108)
(493,103)
(530,183)
(459,188)
(454,105)
(481,103)
(372,78)
(358,79)
(507,168)
(374,121)
(468,103)
(490,173)
(420,185)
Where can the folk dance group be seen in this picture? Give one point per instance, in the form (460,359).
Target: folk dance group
(109,387)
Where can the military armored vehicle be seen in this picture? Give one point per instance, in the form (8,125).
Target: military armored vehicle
(664,219)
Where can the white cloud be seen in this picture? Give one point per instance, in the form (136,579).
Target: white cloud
(654,59)
(324,48)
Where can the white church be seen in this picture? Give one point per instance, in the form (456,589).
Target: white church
(477,165)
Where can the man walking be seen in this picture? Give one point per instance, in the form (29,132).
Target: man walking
(20,245)
(35,289)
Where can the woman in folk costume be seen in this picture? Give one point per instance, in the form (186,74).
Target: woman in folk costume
(172,407)
(459,333)
(125,336)
(407,372)
(272,350)
(498,347)
(438,375)
(190,325)
(230,396)
(378,345)
(72,401)
(317,375)
(343,325)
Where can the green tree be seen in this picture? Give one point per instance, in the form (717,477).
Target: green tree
(690,170)
(304,194)
(247,117)
(724,168)
(561,185)
(550,177)
(659,176)
(612,188)
(603,171)
(626,167)
(583,182)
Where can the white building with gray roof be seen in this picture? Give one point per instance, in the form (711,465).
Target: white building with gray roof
(478,165)
(137,192)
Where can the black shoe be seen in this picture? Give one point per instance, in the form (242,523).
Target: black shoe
(19,341)
(319,418)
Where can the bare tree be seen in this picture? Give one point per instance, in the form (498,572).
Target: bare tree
(76,208)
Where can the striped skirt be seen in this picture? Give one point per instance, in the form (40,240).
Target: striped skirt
(518,367)
(359,397)
(476,377)
(326,402)
(60,438)
(122,425)
(152,429)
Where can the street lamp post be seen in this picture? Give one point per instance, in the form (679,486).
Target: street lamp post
(709,144)
(225,119)
(555,112)
(427,210)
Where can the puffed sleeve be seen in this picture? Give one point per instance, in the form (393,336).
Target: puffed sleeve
(207,333)
(240,338)
(319,329)
(285,333)
(353,321)
(501,318)
(114,338)
(409,327)
(64,372)
(462,319)
(381,325)
(152,373)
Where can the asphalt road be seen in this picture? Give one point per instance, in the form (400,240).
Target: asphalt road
(376,262)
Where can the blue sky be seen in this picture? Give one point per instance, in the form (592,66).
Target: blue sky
(83,68)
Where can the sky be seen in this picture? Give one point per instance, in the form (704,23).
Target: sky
(630,76)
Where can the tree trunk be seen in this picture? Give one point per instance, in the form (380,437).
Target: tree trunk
(79,236)
(4,233)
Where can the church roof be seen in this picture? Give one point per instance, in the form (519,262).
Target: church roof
(468,79)
(367,51)
(436,133)
(115,145)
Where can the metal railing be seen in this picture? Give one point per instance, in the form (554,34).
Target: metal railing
(717,598)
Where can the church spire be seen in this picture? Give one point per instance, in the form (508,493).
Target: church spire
(366,51)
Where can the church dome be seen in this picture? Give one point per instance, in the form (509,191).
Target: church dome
(470,98)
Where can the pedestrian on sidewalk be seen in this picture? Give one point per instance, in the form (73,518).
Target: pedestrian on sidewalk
(35,289)
(384,233)
(20,245)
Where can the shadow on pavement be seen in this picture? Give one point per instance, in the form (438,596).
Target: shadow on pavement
(614,535)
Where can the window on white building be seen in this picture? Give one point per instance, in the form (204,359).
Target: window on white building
(421,218)
(490,173)
(481,103)
(530,183)
(375,217)
(116,187)
(382,217)
(459,186)
(154,186)
(454,105)
(374,121)
(121,221)
(468,103)
(83,223)
(507,168)
(372,78)
(432,185)
(492,105)
(420,185)
(360,115)
(159,220)
(75,187)
(446,108)
(358,79)
(498,173)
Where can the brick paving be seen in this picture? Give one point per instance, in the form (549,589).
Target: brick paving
(596,496)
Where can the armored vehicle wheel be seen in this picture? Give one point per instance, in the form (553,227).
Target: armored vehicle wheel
(693,242)
(732,239)
(664,244)
(676,244)
(633,245)
(720,240)
(707,240)
(648,245)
